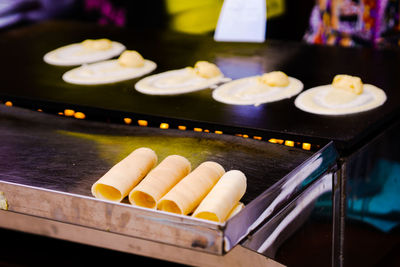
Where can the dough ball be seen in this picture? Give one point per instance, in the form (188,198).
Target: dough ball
(206,69)
(97,44)
(349,83)
(275,78)
(131,59)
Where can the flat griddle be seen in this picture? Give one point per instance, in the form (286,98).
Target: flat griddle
(27,80)
(48,164)
(68,155)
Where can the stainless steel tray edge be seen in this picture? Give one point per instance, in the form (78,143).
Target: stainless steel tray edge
(267,238)
(279,195)
(112,217)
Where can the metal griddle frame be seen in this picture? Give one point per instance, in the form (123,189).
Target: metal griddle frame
(120,226)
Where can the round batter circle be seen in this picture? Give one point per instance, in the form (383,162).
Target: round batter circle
(75,54)
(311,101)
(175,82)
(249,91)
(109,71)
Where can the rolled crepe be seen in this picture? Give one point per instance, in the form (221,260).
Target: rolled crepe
(239,206)
(223,197)
(159,181)
(185,196)
(116,184)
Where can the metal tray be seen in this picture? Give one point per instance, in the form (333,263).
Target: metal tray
(48,164)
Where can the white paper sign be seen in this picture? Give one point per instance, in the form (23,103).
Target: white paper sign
(242,21)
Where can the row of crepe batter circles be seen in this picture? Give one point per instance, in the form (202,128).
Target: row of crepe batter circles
(254,90)
(130,64)
(97,67)
(207,192)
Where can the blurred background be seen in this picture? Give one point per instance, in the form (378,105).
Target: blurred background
(286,20)
(333,22)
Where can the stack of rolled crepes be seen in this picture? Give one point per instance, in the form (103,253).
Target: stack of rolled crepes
(207,192)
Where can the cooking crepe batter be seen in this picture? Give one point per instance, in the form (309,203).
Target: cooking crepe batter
(88,51)
(255,90)
(350,96)
(202,76)
(128,66)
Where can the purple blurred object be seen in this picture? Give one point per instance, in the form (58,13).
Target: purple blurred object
(16,11)
(109,13)
(355,23)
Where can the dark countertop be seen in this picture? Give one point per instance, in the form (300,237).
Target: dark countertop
(27,78)
(23,249)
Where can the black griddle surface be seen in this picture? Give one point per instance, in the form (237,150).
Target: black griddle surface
(25,77)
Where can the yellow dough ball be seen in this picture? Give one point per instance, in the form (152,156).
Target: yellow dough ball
(350,83)
(275,78)
(206,69)
(97,44)
(131,59)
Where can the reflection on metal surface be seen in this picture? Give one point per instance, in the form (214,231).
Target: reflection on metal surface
(300,179)
(297,209)
(378,207)
(270,238)
(270,201)
(240,67)
(123,145)
(371,200)
(373,190)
